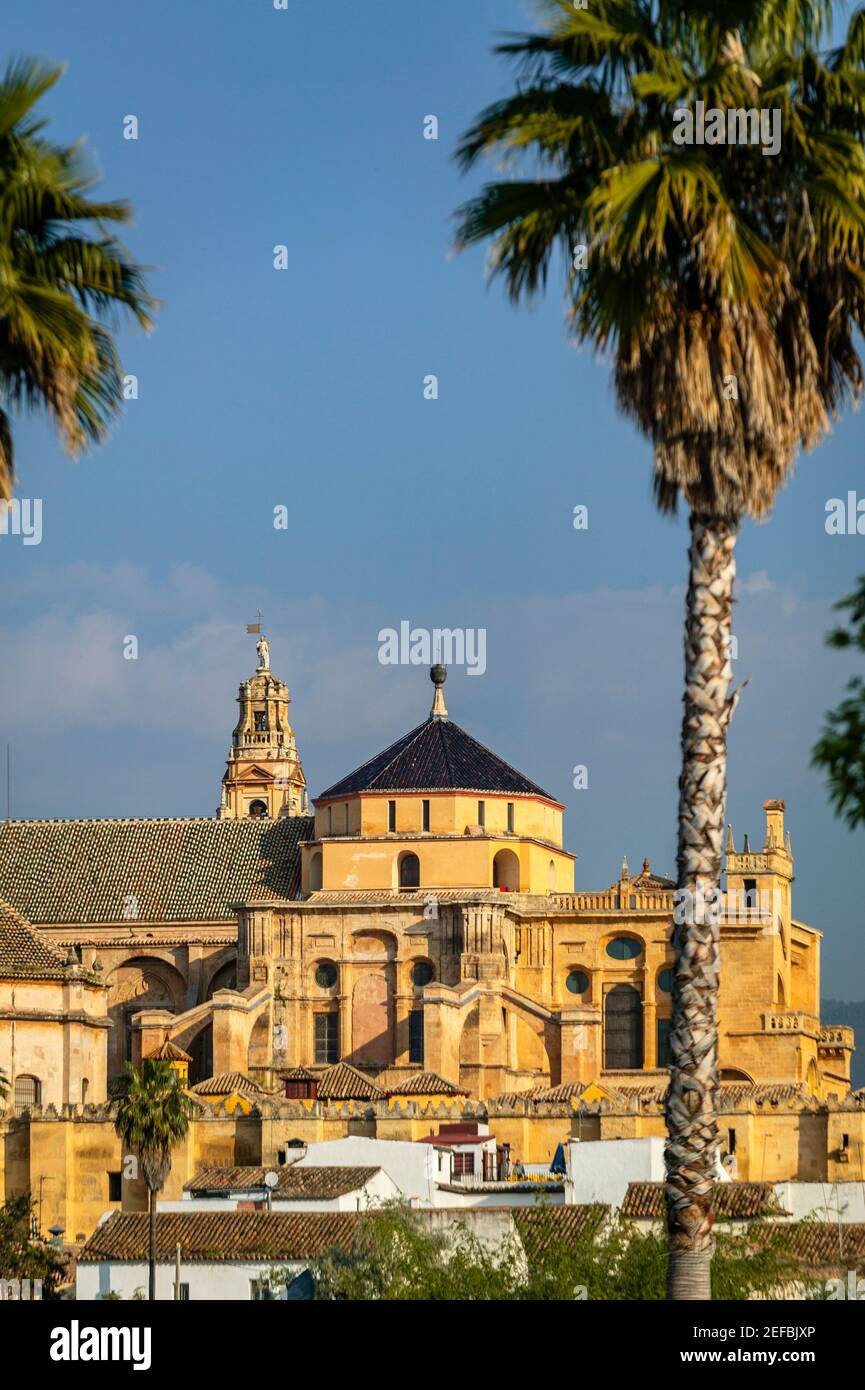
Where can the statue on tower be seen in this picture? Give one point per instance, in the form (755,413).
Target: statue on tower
(262,646)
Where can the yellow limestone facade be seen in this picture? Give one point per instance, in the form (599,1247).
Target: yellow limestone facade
(439,928)
(423,919)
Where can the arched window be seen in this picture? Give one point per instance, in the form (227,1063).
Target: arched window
(409,871)
(28,1092)
(85,1087)
(506,871)
(551,876)
(315,871)
(623,1029)
(257,809)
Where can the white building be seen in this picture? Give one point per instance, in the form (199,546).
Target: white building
(292,1188)
(412,1167)
(223,1254)
(457,1168)
(601,1171)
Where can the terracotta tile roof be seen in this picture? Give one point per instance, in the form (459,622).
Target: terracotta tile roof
(207,1237)
(23,953)
(734,1092)
(309,1183)
(735,1200)
(828,1246)
(426,1083)
(167,1051)
(641,1093)
(437,755)
(228,1083)
(569,1090)
(68,871)
(538,1227)
(297,1074)
(648,879)
(342,1082)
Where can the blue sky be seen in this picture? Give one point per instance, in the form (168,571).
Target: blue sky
(303,388)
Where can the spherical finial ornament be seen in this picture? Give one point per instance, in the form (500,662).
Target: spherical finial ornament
(438,675)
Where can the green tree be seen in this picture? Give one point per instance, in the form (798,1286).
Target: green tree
(4,1085)
(152,1116)
(23,1256)
(396,1256)
(840,751)
(64,277)
(724,284)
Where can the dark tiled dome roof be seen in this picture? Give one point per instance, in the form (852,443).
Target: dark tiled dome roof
(436,756)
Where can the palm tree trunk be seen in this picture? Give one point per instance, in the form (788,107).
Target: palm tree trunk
(151,1292)
(692,1133)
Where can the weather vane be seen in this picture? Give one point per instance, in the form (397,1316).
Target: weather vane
(262,646)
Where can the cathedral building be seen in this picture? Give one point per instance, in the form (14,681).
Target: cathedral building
(412,952)
(423,919)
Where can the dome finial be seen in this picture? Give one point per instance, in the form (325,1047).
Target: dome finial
(438,675)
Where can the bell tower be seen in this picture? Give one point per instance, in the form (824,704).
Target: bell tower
(264,777)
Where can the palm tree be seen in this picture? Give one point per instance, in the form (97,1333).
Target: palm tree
(152,1116)
(4,1084)
(724,285)
(60,289)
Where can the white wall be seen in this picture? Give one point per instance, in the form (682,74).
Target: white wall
(411,1166)
(206,1281)
(829,1201)
(600,1170)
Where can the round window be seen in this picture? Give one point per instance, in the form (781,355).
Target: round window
(665,981)
(325,975)
(577,982)
(421,973)
(624,948)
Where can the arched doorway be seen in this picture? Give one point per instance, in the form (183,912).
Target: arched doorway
(506,871)
(623,1029)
